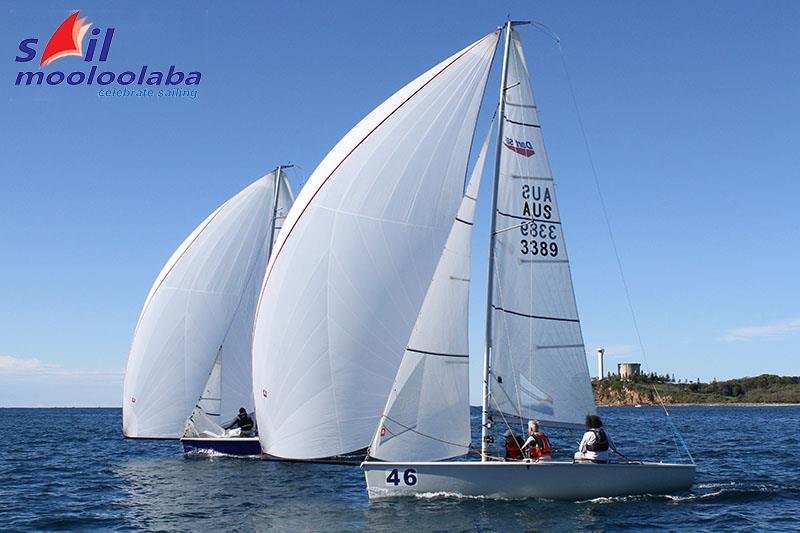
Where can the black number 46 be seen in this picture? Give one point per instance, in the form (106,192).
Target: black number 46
(409,477)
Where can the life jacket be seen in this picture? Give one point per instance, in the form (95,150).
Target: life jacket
(542,448)
(600,443)
(513,449)
(245,422)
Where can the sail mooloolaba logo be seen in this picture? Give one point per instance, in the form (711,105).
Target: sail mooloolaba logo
(521,147)
(68,40)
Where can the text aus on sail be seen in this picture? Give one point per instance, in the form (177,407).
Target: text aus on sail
(540,234)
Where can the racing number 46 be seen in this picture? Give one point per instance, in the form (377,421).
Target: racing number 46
(409,477)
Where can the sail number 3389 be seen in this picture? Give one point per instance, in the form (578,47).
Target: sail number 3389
(542,248)
(409,477)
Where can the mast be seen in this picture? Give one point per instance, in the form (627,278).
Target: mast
(275,194)
(490,289)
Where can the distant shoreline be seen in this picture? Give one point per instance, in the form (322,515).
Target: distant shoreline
(654,389)
(711,404)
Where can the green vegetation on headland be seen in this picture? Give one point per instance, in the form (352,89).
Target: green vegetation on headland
(766,388)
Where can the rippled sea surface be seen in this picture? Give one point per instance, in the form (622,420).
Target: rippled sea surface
(71,469)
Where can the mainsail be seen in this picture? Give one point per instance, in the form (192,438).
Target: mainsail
(538,361)
(200,310)
(426,417)
(353,264)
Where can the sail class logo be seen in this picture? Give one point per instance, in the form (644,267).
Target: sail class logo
(67,40)
(521,147)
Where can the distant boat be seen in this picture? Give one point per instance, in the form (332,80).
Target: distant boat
(367,291)
(188,370)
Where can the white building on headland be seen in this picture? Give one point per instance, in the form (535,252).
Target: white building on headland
(627,371)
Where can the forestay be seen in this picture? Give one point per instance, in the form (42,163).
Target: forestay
(539,365)
(355,260)
(201,306)
(426,417)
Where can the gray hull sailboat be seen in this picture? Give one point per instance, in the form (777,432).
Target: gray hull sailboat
(534,361)
(368,290)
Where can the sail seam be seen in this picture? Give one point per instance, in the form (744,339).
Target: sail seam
(378,219)
(559,346)
(521,123)
(541,178)
(539,317)
(437,354)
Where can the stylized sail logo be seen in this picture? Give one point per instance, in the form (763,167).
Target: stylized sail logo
(521,147)
(66,40)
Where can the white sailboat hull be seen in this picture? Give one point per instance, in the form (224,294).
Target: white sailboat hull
(545,479)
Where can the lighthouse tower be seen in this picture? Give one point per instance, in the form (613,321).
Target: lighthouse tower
(600,352)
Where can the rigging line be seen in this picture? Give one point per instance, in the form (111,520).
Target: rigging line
(301,176)
(600,196)
(468,446)
(607,221)
(518,403)
(503,415)
(527,220)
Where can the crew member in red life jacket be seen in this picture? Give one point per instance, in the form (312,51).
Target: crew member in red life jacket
(595,443)
(513,447)
(538,445)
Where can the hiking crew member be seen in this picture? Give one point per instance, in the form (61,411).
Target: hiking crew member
(243,422)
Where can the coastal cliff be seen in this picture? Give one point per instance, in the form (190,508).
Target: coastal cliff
(765,388)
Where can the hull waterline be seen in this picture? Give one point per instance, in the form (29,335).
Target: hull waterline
(239,446)
(545,479)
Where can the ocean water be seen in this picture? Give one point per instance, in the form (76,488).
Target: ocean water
(70,469)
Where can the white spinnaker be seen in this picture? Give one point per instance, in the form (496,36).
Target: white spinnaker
(539,365)
(355,259)
(201,304)
(237,373)
(426,417)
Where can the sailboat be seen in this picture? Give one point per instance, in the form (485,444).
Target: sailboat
(368,291)
(188,370)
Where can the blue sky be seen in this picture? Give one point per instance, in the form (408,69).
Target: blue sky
(691,112)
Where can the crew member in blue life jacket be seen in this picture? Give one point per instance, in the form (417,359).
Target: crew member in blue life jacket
(595,443)
(243,422)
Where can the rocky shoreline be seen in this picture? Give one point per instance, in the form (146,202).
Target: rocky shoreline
(613,393)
